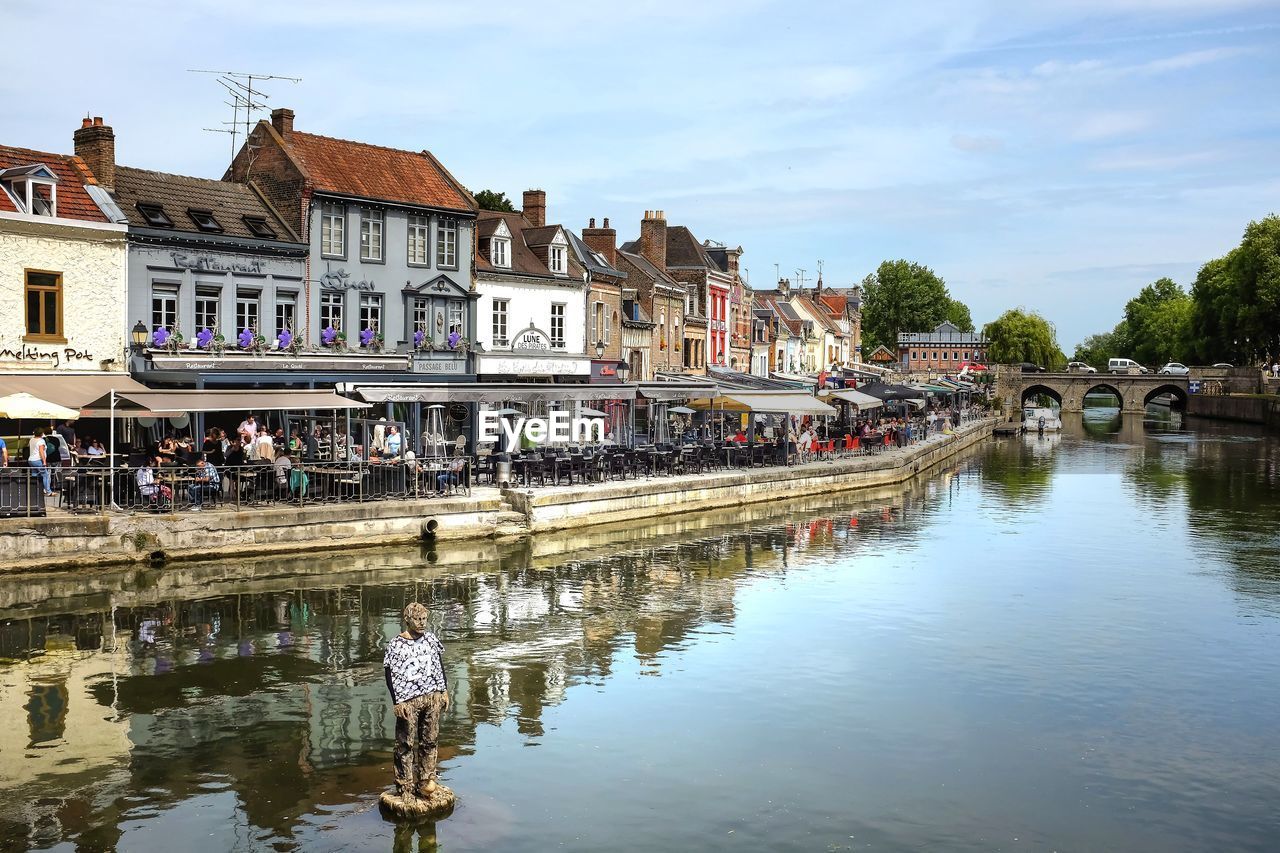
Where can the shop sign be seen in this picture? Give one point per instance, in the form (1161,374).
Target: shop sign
(531,339)
(439,364)
(57,356)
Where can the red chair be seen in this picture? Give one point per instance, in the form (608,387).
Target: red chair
(830,448)
(849,442)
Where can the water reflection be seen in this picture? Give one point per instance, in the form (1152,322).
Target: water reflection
(254,687)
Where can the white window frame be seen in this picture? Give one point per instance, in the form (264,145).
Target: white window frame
(164,307)
(204,295)
(245,318)
(559,260)
(456,315)
(333,305)
(372,221)
(287,312)
(446,244)
(501,252)
(420,315)
(371,312)
(333,230)
(558,311)
(501,310)
(418,251)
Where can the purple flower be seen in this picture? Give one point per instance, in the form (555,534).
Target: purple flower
(285,339)
(245,339)
(454,337)
(328,335)
(418,337)
(204,338)
(160,336)
(366,337)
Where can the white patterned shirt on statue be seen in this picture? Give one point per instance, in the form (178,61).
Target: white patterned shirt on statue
(414,667)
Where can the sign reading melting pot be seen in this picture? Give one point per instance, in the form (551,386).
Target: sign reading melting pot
(531,340)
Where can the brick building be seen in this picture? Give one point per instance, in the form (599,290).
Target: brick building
(943,350)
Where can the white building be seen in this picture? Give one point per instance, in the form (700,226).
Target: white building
(531,317)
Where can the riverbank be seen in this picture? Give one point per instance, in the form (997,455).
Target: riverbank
(489,513)
(1253,409)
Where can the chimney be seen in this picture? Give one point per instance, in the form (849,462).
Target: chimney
(603,240)
(95,144)
(535,207)
(784,286)
(282,121)
(653,238)
(733,255)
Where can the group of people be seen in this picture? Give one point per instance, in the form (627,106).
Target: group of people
(51,449)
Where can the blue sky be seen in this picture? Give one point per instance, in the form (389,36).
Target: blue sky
(1052,155)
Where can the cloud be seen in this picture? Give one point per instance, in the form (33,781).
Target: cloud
(1144,161)
(1190,59)
(1110,124)
(976,144)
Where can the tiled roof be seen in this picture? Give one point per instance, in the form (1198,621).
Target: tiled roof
(73,201)
(684,250)
(374,172)
(590,258)
(524,261)
(646,269)
(229,202)
(785,313)
(837,303)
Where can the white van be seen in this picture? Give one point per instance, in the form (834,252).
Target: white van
(1124,365)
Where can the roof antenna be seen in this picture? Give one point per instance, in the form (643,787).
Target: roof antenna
(244,98)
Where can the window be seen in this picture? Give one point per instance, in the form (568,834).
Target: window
(154,215)
(456,323)
(446,243)
(247,310)
(501,252)
(559,262)
(500,322)
(955,356)
(44,306)
(371,235)
(371,312)
(33,189)
(286,310)
(259,227)
(332,303)
(421,315)
(966,356)
(164,307)
(333,230)
(204,219)
(418,236)
(557,324)
(207,299)
(915,356)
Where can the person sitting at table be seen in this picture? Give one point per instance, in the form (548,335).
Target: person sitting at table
(450,474)
(234,457)
(212,447)
(739,437)
(295,443)
(283,465)
(206,482)
(184,451)
(147,485)
(167,452)
(264,448)
(392,444)
(95,450)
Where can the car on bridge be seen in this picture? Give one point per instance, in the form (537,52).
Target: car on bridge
(1080,367)
(1173,368)
(1125,365)
(1028,367)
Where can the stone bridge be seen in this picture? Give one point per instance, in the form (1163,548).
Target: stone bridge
(1069,389)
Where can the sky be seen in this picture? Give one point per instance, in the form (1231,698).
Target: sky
(1054,156)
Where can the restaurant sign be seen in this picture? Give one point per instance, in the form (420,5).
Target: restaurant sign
(531,339)
(57,356)
(282,363)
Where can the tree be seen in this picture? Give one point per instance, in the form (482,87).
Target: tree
(490,200)
(1158,321)
(1096,350)
(901,296)
(1236,299)
(1017,336)
(958,315)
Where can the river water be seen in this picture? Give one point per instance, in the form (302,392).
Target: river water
(1060,643)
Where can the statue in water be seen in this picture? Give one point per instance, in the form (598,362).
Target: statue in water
(414,668)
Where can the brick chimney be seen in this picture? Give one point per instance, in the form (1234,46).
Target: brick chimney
(535,207)
(282,121)
(733,255)
(603,240)
(653,238)
(95,144)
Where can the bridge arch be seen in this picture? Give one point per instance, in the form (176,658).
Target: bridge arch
(1103,388)
(1178,394)
(1037,389)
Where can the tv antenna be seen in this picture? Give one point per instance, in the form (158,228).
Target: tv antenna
(245,100)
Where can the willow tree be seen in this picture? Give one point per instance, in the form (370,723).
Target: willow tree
(1022,336)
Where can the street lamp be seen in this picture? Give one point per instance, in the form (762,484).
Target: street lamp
(599,349)
(139,336)
(623,370)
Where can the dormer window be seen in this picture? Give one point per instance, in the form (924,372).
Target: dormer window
(500,250)
(259,227)
(154,215)
(204,220)
(33,189)
(559,260)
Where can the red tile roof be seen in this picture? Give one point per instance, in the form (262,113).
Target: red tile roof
(836,303)
(371,171)
(73,174)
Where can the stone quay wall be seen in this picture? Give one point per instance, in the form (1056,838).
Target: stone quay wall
(69,541)
(1254,410)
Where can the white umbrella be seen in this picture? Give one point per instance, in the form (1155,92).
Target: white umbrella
(23,406)
(681,410)
(591,413)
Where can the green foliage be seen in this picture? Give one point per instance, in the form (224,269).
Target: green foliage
(1096,350)
(490,200)
(1158,324)
(1237,299)
(901,296)
(958,315)
(1018,335)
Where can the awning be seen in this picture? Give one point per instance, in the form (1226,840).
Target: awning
(857,398)
(783,402)
(186,401)
(72,390)
(892,393)
(676,390)
(492,392)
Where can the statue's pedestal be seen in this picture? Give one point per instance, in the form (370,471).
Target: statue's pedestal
(438,804)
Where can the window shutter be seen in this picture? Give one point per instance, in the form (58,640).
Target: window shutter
(594,309)
(608,326)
